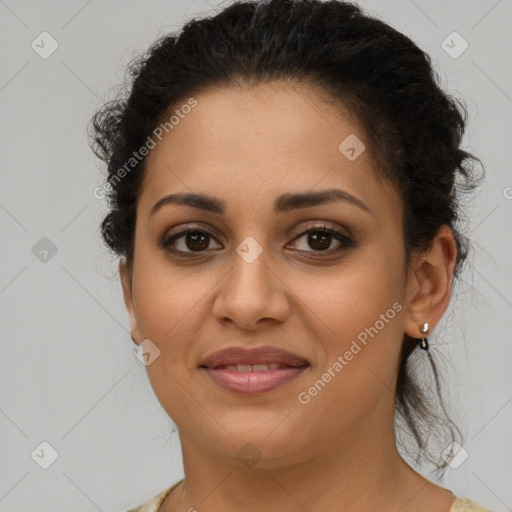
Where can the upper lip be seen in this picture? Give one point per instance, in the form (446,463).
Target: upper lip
(259,355)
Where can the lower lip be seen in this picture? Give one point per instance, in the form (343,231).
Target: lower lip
(251,383)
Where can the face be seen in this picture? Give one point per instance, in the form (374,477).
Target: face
(252,276)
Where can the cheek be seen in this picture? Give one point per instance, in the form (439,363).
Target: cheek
(167,299)
(357,371)
(351,298)
(356,316)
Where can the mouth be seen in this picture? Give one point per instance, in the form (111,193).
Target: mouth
(253,371)
(263,367)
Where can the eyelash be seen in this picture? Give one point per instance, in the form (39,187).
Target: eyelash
(346,241)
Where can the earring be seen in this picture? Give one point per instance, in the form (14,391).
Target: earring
(423,342)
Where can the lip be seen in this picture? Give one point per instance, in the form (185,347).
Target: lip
(253,382)
(258,355)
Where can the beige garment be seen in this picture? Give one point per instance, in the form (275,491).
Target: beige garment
(459,505)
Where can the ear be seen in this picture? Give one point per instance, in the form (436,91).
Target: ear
(430,283)
(126,282)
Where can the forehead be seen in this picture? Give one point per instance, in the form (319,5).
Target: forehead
(250,144)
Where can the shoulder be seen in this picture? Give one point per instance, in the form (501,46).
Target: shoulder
(467,505)
(155,502)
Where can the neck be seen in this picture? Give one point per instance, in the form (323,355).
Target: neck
(363,470)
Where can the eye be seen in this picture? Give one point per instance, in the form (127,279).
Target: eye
(192,240)
(320,237)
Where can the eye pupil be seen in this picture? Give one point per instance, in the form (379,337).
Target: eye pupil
(196,237)
(324,236)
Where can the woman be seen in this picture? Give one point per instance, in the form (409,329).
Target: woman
(284,181)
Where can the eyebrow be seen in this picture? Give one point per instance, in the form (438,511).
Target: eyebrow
(282,204)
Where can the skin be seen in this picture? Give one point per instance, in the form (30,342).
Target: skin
(246,146)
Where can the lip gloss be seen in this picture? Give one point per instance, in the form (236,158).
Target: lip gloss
(253,382)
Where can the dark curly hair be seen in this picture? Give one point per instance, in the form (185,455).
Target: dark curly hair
(374,74)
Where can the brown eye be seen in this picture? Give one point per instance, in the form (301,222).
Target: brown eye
(194,240)
(320,238)
(197,241)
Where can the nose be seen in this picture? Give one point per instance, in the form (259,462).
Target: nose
(252,294)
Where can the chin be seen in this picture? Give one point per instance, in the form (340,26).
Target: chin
(265,439)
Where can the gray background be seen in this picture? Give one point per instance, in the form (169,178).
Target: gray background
(68,375)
